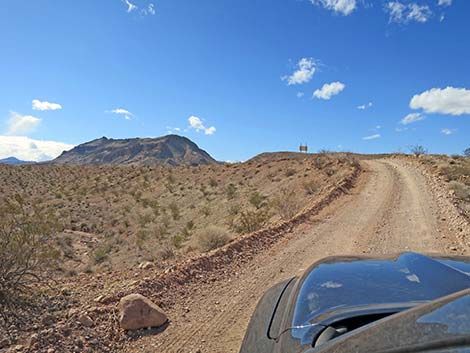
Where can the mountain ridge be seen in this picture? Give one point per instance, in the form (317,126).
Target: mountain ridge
(170,150)
(15,161)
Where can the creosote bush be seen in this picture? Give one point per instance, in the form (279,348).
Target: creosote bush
(27,255)
(252,220)
(286,204)
(212,237)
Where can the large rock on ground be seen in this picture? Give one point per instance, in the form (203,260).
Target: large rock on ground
(136,312)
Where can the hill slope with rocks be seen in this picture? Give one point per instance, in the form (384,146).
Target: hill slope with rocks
(167,150)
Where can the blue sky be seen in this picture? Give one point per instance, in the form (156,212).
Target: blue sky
(237,77)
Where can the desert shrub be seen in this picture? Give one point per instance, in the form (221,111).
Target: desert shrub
(175,212)
(206,211)
(252,220)
(145,217)
(257,200)
(178,240)
(212,237)
(455,172)
(27,255)
(290,172)
(286,204)
(213,183)
(323,151)
(466,152)
(100,254)
(234,209)
(418,150)
(231,191)
(461,190)
(310,187)
(166,252)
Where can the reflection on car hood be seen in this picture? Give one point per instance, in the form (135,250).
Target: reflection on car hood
(441,326)
(406,280)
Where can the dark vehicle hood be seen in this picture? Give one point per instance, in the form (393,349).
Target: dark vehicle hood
(341,287)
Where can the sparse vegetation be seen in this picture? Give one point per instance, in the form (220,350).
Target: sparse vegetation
(27,255)
(418,150)
(286,204)
(212,237)
(252,220)
(114,215)
(455,170)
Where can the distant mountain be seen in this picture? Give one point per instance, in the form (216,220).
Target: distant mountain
(14,161)
(166,150)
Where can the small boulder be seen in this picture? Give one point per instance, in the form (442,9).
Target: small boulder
(85,320)
(137,311)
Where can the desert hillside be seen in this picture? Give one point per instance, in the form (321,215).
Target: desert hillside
(116,217)
(166,150)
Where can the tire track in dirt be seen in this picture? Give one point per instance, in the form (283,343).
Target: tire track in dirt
(390,210)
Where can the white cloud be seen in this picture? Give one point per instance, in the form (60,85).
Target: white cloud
(28,149)
(404,13)
(198,125)
(21,124)
(130,6)
(448,131)
(365,106)
(173,130)
(411,118)
(127,114)
(450,100)
(38,105)
(372,137)
(444,2)
(329,90)
(150,10)
(300,94)
(344,7)
(304,73)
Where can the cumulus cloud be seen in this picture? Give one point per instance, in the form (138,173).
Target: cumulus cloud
(173,130)
(372,137)
(344,7)
(404,13)
(28,149)
(444,2)
(448,131)
(450,100)
(39,105)
(149,10)
(365,106)
(198,125)
(411,118)
(130,6)
(120,111)
(329,90)
(304,73)
(21,124)
(300,94)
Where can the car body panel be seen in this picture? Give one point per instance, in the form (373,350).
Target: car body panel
(339,287)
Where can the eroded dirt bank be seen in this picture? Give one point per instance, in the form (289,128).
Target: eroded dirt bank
(392,209)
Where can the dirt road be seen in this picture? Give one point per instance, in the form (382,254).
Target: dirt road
(390,210)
